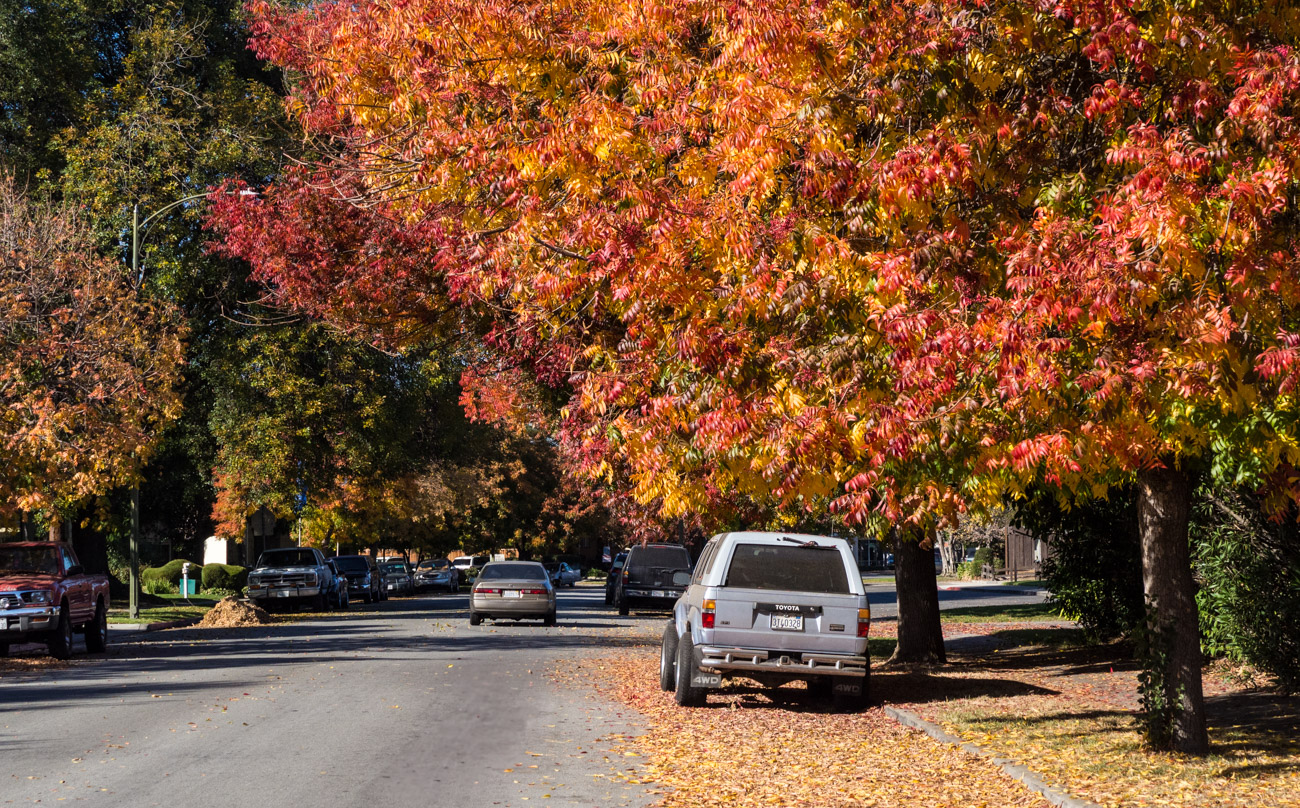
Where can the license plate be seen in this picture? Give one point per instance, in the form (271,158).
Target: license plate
(663,594)
(786,622)
(510,593)
(4,623)
(390,586)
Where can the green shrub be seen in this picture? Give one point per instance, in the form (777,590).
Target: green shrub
(1249,599)
(158,586)
(1095,569)
(171,573)
(224,576)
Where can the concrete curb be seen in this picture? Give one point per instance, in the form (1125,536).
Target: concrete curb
(1014,590)
(1031,780)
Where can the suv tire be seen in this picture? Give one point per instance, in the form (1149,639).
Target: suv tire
(97,630)
(621,601)
(668,658)
(685,693)
(60,641)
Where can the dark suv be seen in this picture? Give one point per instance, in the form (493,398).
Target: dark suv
(647,578)
(364,578)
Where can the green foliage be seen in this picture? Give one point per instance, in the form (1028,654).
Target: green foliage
(1095,570)
(158,586)
(170,573)
(1249,600)
(224,577)
(1159,704)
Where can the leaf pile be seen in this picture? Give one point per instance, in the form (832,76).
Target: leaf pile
(232,612)
(756,746)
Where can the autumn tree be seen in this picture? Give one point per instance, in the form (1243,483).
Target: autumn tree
(87,368)
(907,258)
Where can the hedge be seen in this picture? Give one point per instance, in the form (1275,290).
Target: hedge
(170,572)
(225,576)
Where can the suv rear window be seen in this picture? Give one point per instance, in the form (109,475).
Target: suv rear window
(666,557)
(794,569)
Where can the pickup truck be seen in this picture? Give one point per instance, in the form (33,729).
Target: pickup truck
(292,575)
(772,607)
(45,595)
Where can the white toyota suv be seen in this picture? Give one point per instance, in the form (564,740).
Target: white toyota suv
(773,607)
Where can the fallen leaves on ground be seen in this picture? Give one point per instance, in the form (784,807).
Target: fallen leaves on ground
(757,746)
(1068,714)
(232,612)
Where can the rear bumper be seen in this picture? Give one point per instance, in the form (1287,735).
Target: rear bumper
(511,606)
(722,660)
(27,620)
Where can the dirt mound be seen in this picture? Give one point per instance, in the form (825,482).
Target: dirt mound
(232,612)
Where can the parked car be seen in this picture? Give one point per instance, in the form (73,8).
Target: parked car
(514,590)
(467,563)
(291,575)
(562,574)
(647,578)
(46,595)
(338,589)
(397,578)
(437,573)
(363,577)
(773,607)
(612,577)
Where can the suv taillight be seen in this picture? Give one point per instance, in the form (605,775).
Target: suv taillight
(864,622)
(707,616)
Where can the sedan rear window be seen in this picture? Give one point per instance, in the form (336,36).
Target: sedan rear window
(793,569)
(514,572)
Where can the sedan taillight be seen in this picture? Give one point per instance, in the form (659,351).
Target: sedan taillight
(533,591)
(487,590)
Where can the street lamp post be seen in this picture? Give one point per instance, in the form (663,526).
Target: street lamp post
(139,229)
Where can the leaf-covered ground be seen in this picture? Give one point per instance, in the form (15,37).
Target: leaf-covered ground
(1068,714)
(1028,691)
(754,746)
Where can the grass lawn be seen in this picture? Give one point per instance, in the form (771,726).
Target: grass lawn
(173,608)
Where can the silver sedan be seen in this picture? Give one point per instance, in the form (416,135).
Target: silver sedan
(514,590)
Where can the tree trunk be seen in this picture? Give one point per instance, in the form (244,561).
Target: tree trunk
(1164,500)
(920,637)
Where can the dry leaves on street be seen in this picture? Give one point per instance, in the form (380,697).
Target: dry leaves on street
(755,746)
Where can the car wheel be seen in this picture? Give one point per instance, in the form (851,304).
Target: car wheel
(685,693)
(622,605)
(97,630)
(475,618)
(4,649)
(609,598)
(60,642)
(345,600)
(668,658)
(320,603)
(551,619)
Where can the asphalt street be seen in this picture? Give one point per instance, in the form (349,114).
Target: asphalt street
(396,704)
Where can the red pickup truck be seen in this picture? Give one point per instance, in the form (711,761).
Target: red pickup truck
(45,595)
